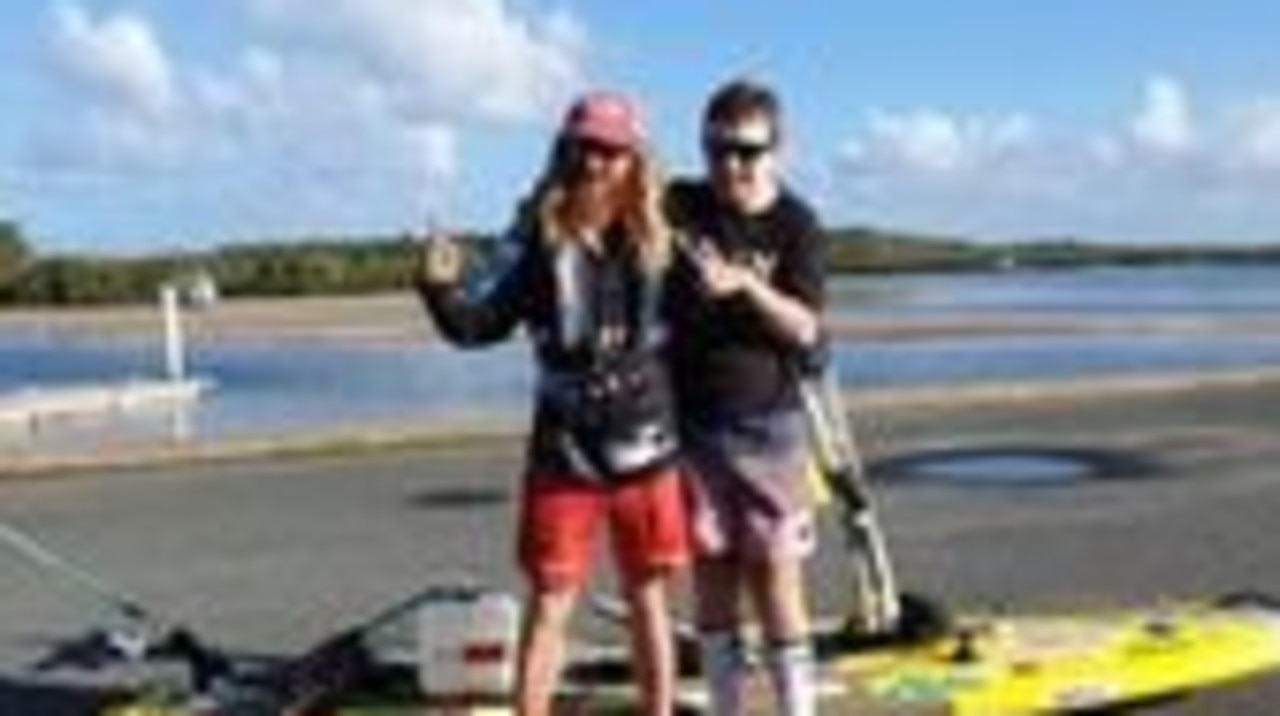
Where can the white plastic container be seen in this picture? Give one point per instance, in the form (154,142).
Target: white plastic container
(467,646)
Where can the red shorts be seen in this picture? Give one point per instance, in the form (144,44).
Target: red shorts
(560,517)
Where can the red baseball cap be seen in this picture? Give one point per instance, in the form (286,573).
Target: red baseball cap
(605,117)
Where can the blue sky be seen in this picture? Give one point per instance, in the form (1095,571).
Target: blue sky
(162,125)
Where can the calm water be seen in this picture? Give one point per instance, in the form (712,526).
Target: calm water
(305,386)
(1199,290)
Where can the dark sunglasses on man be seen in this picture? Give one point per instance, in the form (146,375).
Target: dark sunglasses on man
(744,151)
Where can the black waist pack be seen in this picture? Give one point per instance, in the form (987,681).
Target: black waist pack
(616,420)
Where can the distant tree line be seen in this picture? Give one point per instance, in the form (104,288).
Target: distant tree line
(14,251)
(283,268)
(865,250)
(268,269)
(375,264)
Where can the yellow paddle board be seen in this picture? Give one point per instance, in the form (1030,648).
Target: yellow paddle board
(988,666)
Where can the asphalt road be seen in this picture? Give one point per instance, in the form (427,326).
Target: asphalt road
(1176,495)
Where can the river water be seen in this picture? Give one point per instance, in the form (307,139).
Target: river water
(283,387)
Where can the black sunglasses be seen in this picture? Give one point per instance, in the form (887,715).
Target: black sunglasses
(723,148)
(583,148)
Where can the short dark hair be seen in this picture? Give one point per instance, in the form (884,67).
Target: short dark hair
(742,98)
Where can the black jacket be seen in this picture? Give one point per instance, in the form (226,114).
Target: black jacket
(620,301)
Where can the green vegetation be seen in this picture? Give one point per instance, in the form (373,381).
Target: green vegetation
(14,252)
(862,250)
(264,269)
(373,264)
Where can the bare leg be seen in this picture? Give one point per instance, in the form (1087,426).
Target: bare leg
(652,645)
(718,583)
(777,591)
(542,647)
(777,588)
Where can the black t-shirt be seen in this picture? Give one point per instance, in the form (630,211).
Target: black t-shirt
(724,356)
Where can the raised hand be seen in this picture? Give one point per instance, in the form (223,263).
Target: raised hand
(440,260)
(720,276)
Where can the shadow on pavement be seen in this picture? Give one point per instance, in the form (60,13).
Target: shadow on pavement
(20,698)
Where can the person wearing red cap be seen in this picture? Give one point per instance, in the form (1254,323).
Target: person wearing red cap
(592,250)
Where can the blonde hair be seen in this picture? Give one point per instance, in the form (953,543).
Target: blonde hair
(639,209)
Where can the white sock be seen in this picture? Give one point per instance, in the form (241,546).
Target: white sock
(792,671)
(724,666)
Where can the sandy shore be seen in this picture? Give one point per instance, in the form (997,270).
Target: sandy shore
(397,317)
(391,316)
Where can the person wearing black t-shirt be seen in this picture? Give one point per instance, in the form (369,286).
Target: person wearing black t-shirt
(743,306)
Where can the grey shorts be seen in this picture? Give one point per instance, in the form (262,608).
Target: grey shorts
(749,489)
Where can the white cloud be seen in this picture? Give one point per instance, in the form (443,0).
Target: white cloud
(338,114)
(1164,124)
(924,141)
(116,58)
(443,58)
(1161,170)
(436,148)
(1255,141)
(253,89)
(931,142)
(372,65)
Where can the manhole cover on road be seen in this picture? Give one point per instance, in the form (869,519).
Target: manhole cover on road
(1017,467)
(1003,469)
